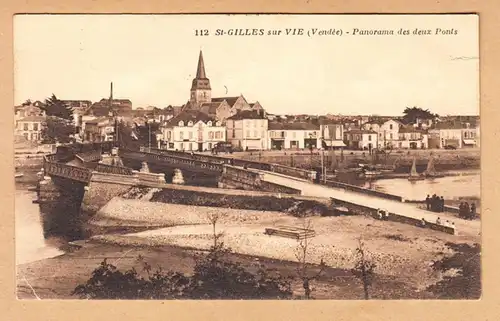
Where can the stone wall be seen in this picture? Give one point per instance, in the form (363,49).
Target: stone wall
(367,191)
(365,210)
(103,187)
(240,178)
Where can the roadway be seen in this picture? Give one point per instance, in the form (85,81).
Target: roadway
(464,227)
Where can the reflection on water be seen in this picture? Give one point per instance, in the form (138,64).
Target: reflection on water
(451,187)
(30,243)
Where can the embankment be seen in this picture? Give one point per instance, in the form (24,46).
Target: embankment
(258,201)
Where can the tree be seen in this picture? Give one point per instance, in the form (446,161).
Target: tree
(55,107)
(27,102)
(147,133)
(364,269)
(304,268)
(57,130)
(413,114)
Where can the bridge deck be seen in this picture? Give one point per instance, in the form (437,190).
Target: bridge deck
(404,209)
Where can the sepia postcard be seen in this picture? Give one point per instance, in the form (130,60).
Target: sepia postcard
(230,157)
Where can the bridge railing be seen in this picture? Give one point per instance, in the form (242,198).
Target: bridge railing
(104,168)
(67,171)
(186,160)
(294,172)
(91,156)
(362,190)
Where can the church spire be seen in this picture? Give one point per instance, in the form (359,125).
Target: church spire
(200,72)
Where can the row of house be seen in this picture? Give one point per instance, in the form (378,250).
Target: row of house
(204,121)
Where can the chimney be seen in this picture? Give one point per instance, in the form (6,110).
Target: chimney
(111,92)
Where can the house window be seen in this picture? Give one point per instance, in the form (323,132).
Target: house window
(211,135)
(248,133)
(465,135)
(190,135)
(169,135)
(390,126)
(35,126)
(25,127)
(209,123)
(390,135)
(181,123)
(234,133)
(181,135)
(190,123)
(217,135)
(283,134)
(25,135)
(369,137)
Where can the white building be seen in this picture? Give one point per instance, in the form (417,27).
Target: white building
(446,134)
(412,138)
(248,130)
(293,135)
(387,132)
(192,131)
(332,135)
(364,139)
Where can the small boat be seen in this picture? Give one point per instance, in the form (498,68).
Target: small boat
(370,173)
(17,175)
(414,176)
(430,171)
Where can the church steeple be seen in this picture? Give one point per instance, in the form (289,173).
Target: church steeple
(200,72)
(201,92)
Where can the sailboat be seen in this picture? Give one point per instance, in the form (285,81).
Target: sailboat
(414,176)
(430,172)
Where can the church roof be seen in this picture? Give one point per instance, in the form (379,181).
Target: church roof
(230,100)
(210,108)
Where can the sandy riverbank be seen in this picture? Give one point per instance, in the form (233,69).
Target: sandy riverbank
(401,250)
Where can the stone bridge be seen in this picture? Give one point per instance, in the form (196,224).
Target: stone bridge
(232,173)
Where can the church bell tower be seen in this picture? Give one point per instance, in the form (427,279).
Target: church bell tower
(200,89)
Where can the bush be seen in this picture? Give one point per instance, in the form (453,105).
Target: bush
(214,277)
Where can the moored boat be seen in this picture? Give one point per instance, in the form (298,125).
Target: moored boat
(414,176)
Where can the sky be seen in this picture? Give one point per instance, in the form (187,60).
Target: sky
(152,59)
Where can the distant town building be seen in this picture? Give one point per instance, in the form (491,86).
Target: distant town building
(99,130)
(446,134)
(412,138)
(192,131)
(387,132)
(364,139)
(248,130)
(298,135)
(29,121)
(332,134)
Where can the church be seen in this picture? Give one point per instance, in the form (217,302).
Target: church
(219,108)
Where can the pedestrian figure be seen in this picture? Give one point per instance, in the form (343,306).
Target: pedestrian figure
(447,223)
(434,203)
(438,221)
(454,228)
(379,214)
(467,210)
(461,210)
(441,203)
(428,202)
(473,210)
(422,223)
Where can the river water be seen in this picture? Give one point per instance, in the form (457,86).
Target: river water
(451,187)
(30,242)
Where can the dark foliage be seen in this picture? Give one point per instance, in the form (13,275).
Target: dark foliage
(465,285)
(214,277)
(55,107)
(364,269)
(258,203)
(410,115)
(57,130)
